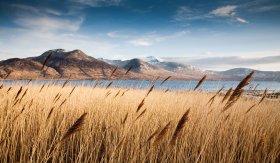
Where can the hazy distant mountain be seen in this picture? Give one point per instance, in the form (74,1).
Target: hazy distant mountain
(157,66)
(77,65)
(239,73)
(143,67)
(151,59)
(174,66)
(120,63)
(139,65)
(190,72)
(150,66)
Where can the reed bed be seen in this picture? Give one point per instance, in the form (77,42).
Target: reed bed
(52,123)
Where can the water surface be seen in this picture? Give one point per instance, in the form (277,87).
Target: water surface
(179,85)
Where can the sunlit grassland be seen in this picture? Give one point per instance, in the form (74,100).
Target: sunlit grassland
(35,119)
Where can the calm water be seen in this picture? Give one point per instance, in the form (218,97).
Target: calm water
(210,86)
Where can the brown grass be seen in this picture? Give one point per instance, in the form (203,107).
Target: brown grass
(114,70)
(180,127)
(263,96)
(238,91)
(227,95)
(165,80)
(163,131)
(128,70)
(46,60)
(75,127)
(200,82)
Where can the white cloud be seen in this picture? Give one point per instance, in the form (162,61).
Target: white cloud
(151,39)
(144,40)
(38,32)
(141,42)
(45,19)
(184,13)
(116,34)
(241,20)
(37,10)
(46,23)
(228,11)
(263,60)
(225,11)
(29,42)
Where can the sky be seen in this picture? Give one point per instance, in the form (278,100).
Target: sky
(208,34)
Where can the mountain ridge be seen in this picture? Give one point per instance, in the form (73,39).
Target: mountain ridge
(73,64)
(196,73)
(77,65)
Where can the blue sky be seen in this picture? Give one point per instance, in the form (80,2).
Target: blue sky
(208,34)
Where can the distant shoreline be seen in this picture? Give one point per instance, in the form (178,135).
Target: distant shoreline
(171,85)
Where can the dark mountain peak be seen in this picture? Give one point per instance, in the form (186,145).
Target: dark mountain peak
(135,64)
(53,51)
(136,61)
(62,54)
(79,55)
(138,65)
(58,50)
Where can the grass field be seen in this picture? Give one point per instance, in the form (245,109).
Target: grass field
(82,124)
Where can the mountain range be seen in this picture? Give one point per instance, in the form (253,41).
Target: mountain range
(78,65)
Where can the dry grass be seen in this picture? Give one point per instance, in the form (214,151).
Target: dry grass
(83,124)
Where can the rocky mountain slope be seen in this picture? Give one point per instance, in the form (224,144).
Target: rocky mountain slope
(61,64)
(78,65)
(25,69)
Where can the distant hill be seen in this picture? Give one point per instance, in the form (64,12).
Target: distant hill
(78,65)
(25,69)
(153,68)
(73,64)
(175,67)
(239,73)
(143,67)
(190,72)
